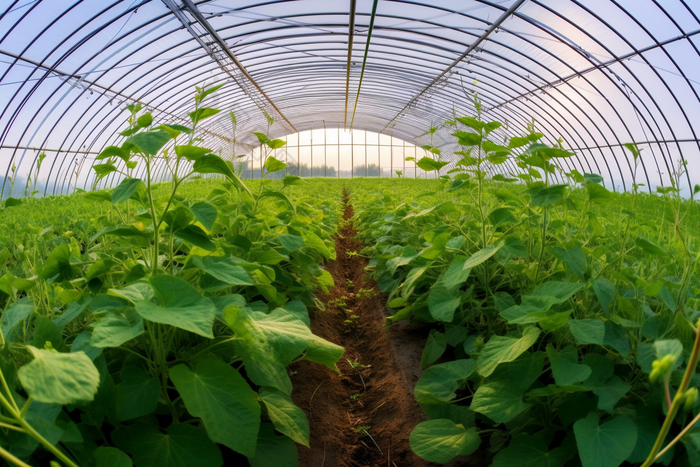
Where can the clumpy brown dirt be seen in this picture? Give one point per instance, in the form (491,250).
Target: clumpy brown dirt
(362,416)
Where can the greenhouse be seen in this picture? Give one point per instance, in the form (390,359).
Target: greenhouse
(349,233)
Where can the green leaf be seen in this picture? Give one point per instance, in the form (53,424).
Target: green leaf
(269,342)
(312,240)
(274,165)
(565,367)
(438,384)
(114,329)
(442,440)
(125,189)
(605,291)
(606,445)
(59,378)
(435,346)
(610,393)
(598,193)
(443,303)
(547,196)
(262,137)
(500,349)
(205,213)
(191,153)
(616,337)
(291,243)
(181,306)
(136,395)
(574,258)
(103,170)
(529,451)
(290,180)
(273,450)
(58,264)
(196,236)
(285,415)
(223,269)
(587,331)
(13,319)
(500,400)
(650,247)
(203,93)
(429,164)
(201,114)
(150,142)
(106,456)
(134,292)
(501,216)
(455,274)
(182,446)
(218,394)
(466,138)
(113,151)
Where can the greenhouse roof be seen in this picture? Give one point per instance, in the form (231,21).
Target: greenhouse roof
(596,73)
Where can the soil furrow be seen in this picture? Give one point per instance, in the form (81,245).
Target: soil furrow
(361,417)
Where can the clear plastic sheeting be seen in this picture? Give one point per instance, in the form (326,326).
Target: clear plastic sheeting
(596,73)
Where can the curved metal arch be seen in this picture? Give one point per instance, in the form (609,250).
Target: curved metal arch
(497,78)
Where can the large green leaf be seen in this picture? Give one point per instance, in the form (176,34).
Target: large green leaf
(58,264)
(650,247)
(435,346)
(500,349)
(428,164)
(106,456)
(598,193)
(547,196)
(565,367)
(12,318)
(181,306)
(456,274)
(59,378)
(218,394)
(269,342)
(191,153)
(205,213)
(274,165)
(136,395)
(443,304)
(528,451)
(438,384)
(223,269)
(605,445)
(125,189)
(587,331)
(196,236)
(182,446)
(150,142)
(442,440)
(273,450)
(574,258)
(500,400)
(285,415)
(114,329)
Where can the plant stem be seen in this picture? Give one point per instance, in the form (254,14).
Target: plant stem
(677,438)
(10,458)
(677,401)
(54,450)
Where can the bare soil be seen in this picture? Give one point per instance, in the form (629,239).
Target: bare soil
(362,416)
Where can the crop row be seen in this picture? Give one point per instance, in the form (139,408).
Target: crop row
(561,318)
(158,330)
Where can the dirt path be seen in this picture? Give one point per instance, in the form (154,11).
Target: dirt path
(363,416)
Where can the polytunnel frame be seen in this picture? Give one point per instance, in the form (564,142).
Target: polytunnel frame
(520,106)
